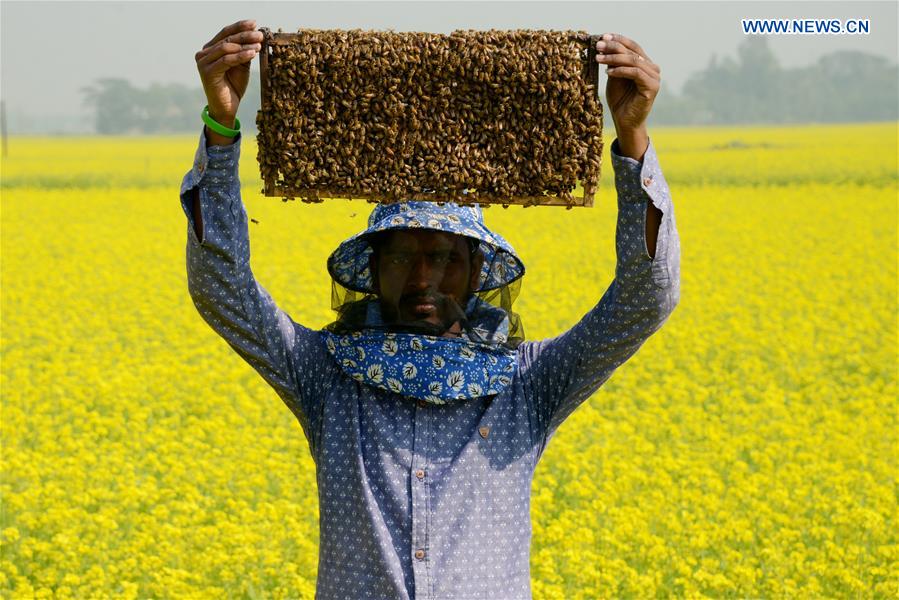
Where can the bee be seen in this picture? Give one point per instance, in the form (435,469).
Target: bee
(452,108)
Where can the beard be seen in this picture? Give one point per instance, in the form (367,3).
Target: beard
(431,313)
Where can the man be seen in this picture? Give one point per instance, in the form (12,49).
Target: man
(425,411)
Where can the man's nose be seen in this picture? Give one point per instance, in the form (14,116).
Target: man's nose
(422,274)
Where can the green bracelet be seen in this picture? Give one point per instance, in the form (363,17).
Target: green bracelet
(218,127)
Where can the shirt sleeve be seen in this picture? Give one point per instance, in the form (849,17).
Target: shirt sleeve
(227,296)
(560,373)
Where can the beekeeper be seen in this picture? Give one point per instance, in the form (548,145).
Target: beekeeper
(425,408)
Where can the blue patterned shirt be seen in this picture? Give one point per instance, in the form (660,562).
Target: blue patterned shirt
(419,500)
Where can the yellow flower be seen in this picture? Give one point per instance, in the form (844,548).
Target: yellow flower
(745,450)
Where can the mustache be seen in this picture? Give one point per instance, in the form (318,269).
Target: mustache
(421,298)
(444,303)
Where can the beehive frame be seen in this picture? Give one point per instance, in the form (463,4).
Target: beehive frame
(590,73)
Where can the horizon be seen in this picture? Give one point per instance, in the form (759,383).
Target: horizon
(707,30)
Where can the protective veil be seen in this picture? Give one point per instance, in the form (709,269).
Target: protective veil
(424,303)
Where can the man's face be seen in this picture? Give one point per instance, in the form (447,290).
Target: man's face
(423,275)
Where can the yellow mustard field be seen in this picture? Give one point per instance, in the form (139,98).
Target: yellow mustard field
(747,450)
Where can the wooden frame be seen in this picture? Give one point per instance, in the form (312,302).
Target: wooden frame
(590,72)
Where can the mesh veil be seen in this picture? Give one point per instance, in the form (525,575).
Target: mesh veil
(485,316)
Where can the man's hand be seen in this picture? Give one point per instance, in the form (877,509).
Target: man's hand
(224,66)
(633,84)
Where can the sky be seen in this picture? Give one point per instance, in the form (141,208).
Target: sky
(50,50)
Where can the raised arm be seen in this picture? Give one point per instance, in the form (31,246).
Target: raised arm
(221,284)
(560,373)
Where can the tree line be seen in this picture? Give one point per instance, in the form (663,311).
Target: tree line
(843,86)
(121,108)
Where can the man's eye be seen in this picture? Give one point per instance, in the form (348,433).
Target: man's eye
(442,258)
(399,259)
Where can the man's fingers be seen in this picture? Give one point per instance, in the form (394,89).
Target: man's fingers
(232,29)
(615,43)
(229,60)
(240,26)
(212,54)
(243,37)
(630,44)
(643,79)
(606,47)
(625,41)
(623,59)
(629,60)
(612,51)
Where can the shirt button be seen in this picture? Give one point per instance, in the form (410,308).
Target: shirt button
(647,181)
(422,404)
(419,554)
(420,474)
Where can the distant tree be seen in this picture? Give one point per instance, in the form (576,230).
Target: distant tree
(171,108)
(745,90)
(760,81)
(845,86)
(120,108)
(117,105)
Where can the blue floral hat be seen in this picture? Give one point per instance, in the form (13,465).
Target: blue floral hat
(424,364)
(348,265)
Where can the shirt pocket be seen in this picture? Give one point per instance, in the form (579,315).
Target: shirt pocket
(660,271)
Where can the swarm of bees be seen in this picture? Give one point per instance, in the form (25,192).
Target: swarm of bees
(493,117)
